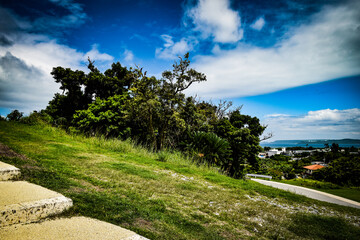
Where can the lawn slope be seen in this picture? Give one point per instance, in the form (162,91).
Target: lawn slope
(165,196)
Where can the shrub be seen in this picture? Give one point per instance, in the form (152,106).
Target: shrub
(208,148)
(162,156)
(37,118)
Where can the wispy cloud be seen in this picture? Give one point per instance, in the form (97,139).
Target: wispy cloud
(74,18)
(326,47)
(215,18)
(258,24)
(128,56)
(326,123)
(171,50)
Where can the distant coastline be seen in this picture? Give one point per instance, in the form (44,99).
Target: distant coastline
(315,143)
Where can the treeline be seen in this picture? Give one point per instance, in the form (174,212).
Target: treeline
(126,103)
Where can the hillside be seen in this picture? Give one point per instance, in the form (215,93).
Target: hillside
(165,196)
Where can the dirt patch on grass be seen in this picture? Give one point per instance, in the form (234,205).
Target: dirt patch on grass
(31,167)
(143,224)
(75,190)
(5,151)
(89,186)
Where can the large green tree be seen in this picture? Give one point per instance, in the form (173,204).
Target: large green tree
(243,133)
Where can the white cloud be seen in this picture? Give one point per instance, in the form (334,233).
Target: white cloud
(23,86)
(325,48)
(95,54)
(128,56)
(258,24)
(171,49)
(277,115)
(321,124)
(333,115)
(26,62)
(215,18)
(168,40)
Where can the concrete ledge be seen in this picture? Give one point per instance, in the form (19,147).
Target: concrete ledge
(8,172)
(33,211)
(22,202)
(68,228)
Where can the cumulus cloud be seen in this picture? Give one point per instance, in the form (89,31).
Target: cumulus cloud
(258,24)
(171,49)
(326,123)
(26,60)
(215,18)
(326,47)
(22,86)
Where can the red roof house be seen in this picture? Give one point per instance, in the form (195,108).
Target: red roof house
(311,168)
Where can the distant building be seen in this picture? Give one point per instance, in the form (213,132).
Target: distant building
(319,163)
(275,151)
(311,168)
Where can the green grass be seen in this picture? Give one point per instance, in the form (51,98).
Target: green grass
(165,196)
(352,193)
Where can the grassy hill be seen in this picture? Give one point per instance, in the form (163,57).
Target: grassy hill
(166,196)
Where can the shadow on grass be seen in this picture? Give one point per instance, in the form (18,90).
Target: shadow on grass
(322,227)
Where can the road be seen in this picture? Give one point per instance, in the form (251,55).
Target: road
(326,197)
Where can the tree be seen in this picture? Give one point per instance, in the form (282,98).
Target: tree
(243,133)
(172,99)
(107,117)
(15,115)
(115,81)
(335,148)
(80,89)
(144,107)
(72,98)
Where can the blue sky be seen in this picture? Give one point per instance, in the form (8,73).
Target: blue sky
(295,64)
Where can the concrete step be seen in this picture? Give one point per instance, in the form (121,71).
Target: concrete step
(8,172)
(68,228)
(23,202)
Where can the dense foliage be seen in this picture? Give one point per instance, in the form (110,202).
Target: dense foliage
(343,171)
(126,103)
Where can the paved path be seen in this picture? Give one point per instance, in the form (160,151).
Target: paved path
(326,197)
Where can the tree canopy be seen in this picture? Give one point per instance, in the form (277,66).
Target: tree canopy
(126,103)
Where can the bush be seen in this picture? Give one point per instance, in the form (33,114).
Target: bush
(162,156)
(37,118)
(208,148)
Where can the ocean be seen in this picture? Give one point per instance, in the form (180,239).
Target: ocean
(305,143)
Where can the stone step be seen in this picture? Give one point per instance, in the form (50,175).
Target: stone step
(68,228)
(23,202)
(8,172)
